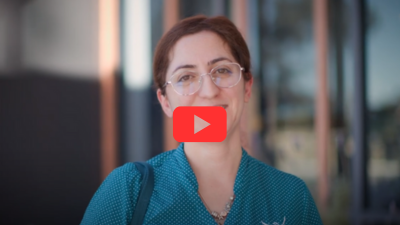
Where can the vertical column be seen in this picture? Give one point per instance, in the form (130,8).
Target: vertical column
(171,17)
(359,158)
(108,64)
(322,99)
(136,72)
(239,17)
(218,7)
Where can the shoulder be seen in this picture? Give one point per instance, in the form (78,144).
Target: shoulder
(120,182)
(285,191)
(274,176)
(273,173)
(114,200)
(126,174)
(160,159)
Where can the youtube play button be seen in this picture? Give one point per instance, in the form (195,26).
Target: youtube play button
(199,124)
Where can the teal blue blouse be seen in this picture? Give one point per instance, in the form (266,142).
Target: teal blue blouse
(264,195)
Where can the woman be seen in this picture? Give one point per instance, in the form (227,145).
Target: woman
(205,62)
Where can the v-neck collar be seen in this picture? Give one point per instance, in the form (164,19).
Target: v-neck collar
(185,166)
(189,174)
(239,187)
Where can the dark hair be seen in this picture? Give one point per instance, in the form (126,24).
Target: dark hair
(220,25)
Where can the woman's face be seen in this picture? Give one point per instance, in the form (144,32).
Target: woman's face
(198,51)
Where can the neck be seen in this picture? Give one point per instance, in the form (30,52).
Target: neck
(215,160)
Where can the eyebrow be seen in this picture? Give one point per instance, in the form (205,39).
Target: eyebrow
(218,60)
(209,63)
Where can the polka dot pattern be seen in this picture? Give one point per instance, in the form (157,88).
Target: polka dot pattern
(264,195)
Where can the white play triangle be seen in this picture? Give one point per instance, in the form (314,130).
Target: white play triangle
(199,124)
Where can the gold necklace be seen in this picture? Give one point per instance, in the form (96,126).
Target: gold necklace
(220,217)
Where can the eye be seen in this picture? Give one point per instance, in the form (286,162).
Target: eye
(185,78)
(223,70)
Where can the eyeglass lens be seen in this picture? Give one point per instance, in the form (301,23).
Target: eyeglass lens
(188,81)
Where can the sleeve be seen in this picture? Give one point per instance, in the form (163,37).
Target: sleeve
(310,211)
(114,201)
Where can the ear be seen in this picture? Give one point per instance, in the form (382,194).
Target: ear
(164,103)
(247,89)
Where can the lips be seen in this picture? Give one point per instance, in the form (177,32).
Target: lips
(223,106)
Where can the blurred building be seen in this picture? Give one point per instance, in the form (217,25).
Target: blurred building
(76,99)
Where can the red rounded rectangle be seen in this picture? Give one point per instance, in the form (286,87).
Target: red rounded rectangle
(199,124)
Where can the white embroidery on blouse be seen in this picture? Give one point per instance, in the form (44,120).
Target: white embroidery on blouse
(275,223)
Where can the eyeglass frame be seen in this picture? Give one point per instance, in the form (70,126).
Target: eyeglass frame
(201,79)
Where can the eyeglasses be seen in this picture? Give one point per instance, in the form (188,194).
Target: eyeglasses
(188,82)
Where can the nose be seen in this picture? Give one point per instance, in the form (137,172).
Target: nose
(208,88)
